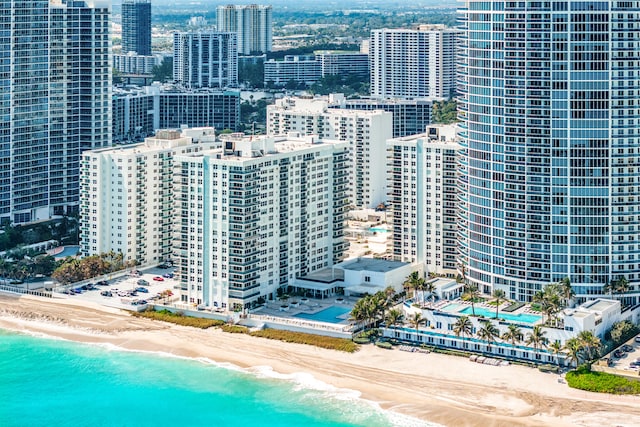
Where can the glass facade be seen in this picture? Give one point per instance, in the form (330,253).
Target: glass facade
(136,26)
(54,102)
(550,144)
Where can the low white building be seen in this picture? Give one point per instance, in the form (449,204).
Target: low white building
(355,277)
(597,316)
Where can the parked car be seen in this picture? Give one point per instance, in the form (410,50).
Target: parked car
(618,353)
(168,275)
(143,290)
(163,266)
(106,294)
(627,348)
(102,283)
(158,279)
(638,339)
(90,287)
(142,282)
(143,302)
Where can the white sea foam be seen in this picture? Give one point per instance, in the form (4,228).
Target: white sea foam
(306,381)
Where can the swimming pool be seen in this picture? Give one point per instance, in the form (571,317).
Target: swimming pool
(329,314)
(378,230)
(68,251)
(450,308)
(525,318)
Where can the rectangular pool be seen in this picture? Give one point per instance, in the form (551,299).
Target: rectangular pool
(333,314)
(450,308)
(524,318)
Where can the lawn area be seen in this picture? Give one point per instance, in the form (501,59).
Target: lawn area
(601,382)
(341,344)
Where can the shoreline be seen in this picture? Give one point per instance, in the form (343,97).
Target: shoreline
(436,388)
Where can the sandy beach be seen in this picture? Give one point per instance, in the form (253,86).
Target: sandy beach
(447,390)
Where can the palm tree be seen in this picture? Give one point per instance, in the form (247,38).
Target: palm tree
(488,333)
(430,287)
(566,290)
(513,335)
(412,280)
(498,294)
(556,347)
(549,300)
(471,294)
(393,317)
(463,326)
(574,348)
(536,338)
(590,343)
(416,320)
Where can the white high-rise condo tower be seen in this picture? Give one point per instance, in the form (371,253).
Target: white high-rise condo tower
(413,62)
(551,166)
(252,23)
(205,59)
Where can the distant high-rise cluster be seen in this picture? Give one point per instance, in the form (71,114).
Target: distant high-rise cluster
(55,102)
(205,59)
(136,26)
(413,63)
(253,25)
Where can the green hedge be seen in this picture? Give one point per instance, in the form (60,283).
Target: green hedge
(384,344)
(341,344)
(601,382)
(179,318)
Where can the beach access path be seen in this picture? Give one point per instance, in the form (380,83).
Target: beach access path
(448,390)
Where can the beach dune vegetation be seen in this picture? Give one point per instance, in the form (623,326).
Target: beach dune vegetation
(235,329)
(179,318)
(332,343)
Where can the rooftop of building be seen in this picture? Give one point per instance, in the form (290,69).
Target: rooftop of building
(599,305)
(435,134)
(238,146)
(339,52)
(340,98)
(326,275)
(163,140)
(158,88)
(318,105)
(371,264)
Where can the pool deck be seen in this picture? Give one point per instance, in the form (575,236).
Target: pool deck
(312,306)
(462,305)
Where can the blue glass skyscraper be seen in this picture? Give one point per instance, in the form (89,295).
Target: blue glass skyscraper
(551,159)
(136,26)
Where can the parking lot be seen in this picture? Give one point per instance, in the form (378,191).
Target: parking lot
(127,292)
(627,357)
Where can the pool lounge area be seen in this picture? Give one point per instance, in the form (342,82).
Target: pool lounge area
(467,310)
(331,314)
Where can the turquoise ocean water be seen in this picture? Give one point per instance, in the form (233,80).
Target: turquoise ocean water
(50,382)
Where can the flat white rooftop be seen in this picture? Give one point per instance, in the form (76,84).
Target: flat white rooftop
(371,264)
